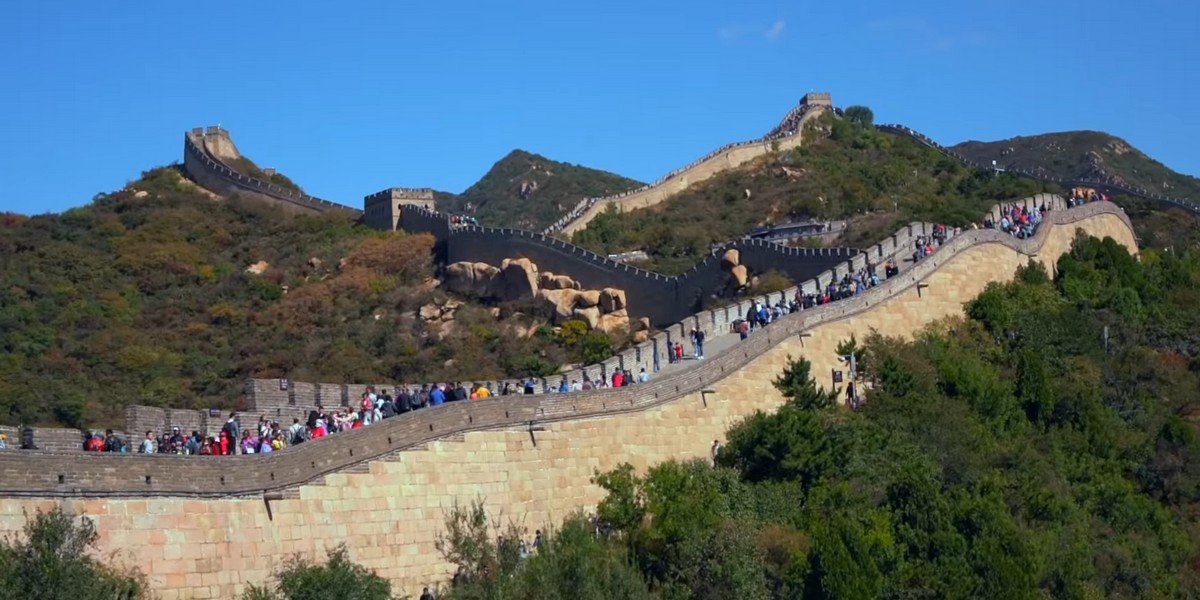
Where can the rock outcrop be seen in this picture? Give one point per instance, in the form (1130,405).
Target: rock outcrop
(472,279)
(563,297)
(612,299)
(518,280)
(739,275)
(258,268)
(731,259)
(550,281)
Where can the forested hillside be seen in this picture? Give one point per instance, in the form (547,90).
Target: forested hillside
(165,295)
(844,170)
(1015,452)
(529,191)
(1089,155)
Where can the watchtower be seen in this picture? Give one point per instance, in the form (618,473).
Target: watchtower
(381,210)
(818,99)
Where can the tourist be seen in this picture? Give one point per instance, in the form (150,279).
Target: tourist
(643,377)
(147,446)
(233,430)
(715,451)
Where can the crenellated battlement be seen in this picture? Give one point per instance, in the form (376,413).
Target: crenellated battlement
(206,151)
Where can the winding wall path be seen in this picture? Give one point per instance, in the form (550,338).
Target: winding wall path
(202,527)
(787,135)
(210,171)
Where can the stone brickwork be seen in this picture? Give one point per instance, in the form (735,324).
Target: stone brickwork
(203,527)
(382,210)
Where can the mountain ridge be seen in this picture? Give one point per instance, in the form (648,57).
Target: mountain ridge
(1083,155)
(528,190)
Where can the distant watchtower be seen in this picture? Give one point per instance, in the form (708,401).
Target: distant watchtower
(817,99)
(381,210)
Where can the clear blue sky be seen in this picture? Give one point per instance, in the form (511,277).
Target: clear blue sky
(352,97)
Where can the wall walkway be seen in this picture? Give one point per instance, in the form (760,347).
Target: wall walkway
(788,135)
(202,527)
(210,171)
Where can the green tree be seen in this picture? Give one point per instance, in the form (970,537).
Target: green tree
(801,390)
(53,561)
(859,115)
(338,578)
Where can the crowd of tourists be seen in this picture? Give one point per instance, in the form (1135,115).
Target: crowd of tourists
(373,406)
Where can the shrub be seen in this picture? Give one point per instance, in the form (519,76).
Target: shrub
(53,562)
(337,579)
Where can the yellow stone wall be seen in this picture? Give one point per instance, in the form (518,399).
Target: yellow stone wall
(389,516)
(697,173)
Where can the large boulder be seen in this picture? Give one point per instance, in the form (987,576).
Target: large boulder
(472,279)
(613,323)
(739,275)
(731,259)
(588,299)
(258,268)
(641,337)
(590,315)
(562,302)
(550,281)
(612,299)
(642,324)
(518,280)
(430,312)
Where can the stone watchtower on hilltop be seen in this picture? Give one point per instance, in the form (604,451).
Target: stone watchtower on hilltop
(381,210)
(817,99)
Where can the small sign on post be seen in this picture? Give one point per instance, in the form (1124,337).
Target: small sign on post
(283,385)
(837,376)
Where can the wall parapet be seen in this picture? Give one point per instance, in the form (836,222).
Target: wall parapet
(49,474)
(792,125)
(207,169)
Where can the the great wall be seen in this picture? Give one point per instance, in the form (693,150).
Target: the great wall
(788,134)
(203,527)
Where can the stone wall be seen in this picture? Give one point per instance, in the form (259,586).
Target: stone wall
(719,161)
(203,527)
(664,299)
(382,210)
(211,172)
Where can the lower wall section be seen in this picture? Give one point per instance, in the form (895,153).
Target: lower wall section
(389,514)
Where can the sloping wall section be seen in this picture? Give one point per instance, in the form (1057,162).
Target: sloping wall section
(201,162)
(786,135)
(203,527)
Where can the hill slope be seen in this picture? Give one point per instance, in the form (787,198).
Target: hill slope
(1090,155)
(145,297)
(530,191)
(842,171)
